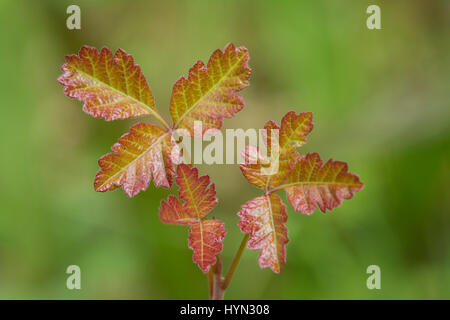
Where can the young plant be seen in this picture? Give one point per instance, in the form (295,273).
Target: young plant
(113,87)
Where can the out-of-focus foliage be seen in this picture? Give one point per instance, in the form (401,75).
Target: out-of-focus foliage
(380,103)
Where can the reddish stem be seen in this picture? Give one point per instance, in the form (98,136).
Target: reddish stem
(218,284)
(216,291)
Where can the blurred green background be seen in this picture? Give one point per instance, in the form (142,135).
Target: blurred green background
(380,100)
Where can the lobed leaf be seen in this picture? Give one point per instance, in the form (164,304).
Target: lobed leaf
(112,87)
(310,184)
(283,156)
(209,93)
(205,236)
(172,212)
(264,219)
(254,163)
(295,128)
(145,151)
(307,182)
(205,239)
(199,198)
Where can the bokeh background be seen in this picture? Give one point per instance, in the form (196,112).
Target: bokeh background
(380,100)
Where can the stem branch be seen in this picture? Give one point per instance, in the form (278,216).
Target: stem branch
(218,284)
(235,263)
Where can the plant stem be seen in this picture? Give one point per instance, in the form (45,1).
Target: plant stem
(235,263)
(216,283)
(211,282)
(216,272)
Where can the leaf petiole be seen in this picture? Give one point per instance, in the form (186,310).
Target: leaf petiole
(161,119)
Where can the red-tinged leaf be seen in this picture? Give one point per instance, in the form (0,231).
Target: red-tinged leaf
(254,163)
(112,87)
(199,199)
(198,195)
(272,169)
(172,212)
(205,238)
(143,152)
(310,184)
(209,94)
(264,218)
(263,173)
(294,129)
